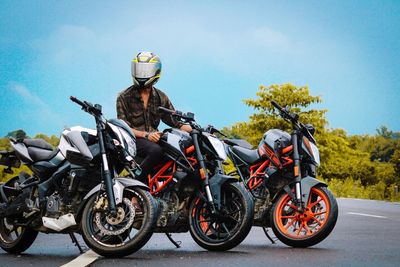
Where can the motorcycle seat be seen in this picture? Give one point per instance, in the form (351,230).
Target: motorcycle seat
(39,149)
(38,143)
(40,154)
(247,155)
(238,142)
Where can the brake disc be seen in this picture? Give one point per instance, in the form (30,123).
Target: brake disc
(114,222)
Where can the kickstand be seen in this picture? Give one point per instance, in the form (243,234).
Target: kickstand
(176,243)
(75,241)
(268,236)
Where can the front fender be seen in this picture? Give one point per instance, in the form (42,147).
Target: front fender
(120,183)
(216,182)
(306,184)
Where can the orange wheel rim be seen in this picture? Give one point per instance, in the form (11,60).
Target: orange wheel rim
(301,225)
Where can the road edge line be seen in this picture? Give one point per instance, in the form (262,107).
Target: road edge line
(367,215)
(83,260)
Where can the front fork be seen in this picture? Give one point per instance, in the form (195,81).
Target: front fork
(107,178)
(297,170)
(203,170)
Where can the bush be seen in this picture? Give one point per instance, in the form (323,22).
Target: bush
(350,188)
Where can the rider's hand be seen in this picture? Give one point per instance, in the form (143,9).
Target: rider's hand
(154,136)
(186,128)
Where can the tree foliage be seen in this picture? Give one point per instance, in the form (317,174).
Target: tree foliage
(17,134)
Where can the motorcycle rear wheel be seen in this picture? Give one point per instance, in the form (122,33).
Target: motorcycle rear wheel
(15,239)
(307,228)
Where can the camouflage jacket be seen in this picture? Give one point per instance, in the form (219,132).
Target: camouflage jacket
(130,108)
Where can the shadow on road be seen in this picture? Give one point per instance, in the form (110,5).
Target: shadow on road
(284,248)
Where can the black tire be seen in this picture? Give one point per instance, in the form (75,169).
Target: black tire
(109,248)
(243,202)
(10,242)
(323,224)
(22,242)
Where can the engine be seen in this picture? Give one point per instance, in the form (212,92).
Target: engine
(173,213)
(54,206)
(169,205)
(261,205)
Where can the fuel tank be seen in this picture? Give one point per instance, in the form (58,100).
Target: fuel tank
(272,143)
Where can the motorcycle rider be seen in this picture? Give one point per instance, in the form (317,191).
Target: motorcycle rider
(138,107)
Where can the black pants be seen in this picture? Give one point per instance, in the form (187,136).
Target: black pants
(150,154)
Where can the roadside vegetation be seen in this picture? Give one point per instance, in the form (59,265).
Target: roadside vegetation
(359,166)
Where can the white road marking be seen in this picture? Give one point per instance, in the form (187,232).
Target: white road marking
(83,260)
(367,215)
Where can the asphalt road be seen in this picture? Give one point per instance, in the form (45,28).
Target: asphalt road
(367,234)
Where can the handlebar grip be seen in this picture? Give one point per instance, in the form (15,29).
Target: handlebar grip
(276,105)
(76,100)
(166,110)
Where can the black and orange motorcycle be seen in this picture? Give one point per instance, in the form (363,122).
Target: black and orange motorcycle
(193,192)
(280,175)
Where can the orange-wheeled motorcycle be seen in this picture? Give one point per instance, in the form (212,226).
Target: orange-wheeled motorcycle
(280,174)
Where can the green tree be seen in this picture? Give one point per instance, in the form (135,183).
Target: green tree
(18,134)
(297,99)
(384,132)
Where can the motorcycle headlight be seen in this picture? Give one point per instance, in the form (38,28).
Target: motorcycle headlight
(315,152)
(218,147)
(130,143)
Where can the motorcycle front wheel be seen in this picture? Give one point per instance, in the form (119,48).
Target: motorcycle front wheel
(309,227)
(127,231)
(230,226)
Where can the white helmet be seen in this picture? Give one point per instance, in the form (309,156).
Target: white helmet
(146,69)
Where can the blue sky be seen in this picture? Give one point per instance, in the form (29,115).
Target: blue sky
(214,55)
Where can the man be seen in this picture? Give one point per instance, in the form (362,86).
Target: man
(138,106)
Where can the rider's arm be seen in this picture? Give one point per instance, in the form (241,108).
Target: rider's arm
(122,112)
(169,120)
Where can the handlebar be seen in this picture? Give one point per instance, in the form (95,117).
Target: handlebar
(88,107)
(285,113)
(169,111)
(277,106)
(76,100)
(187,117)
(212,130)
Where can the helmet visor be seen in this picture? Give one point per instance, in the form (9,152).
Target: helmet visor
(145,70)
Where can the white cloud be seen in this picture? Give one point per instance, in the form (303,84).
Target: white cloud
(26,95)
(36,104)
